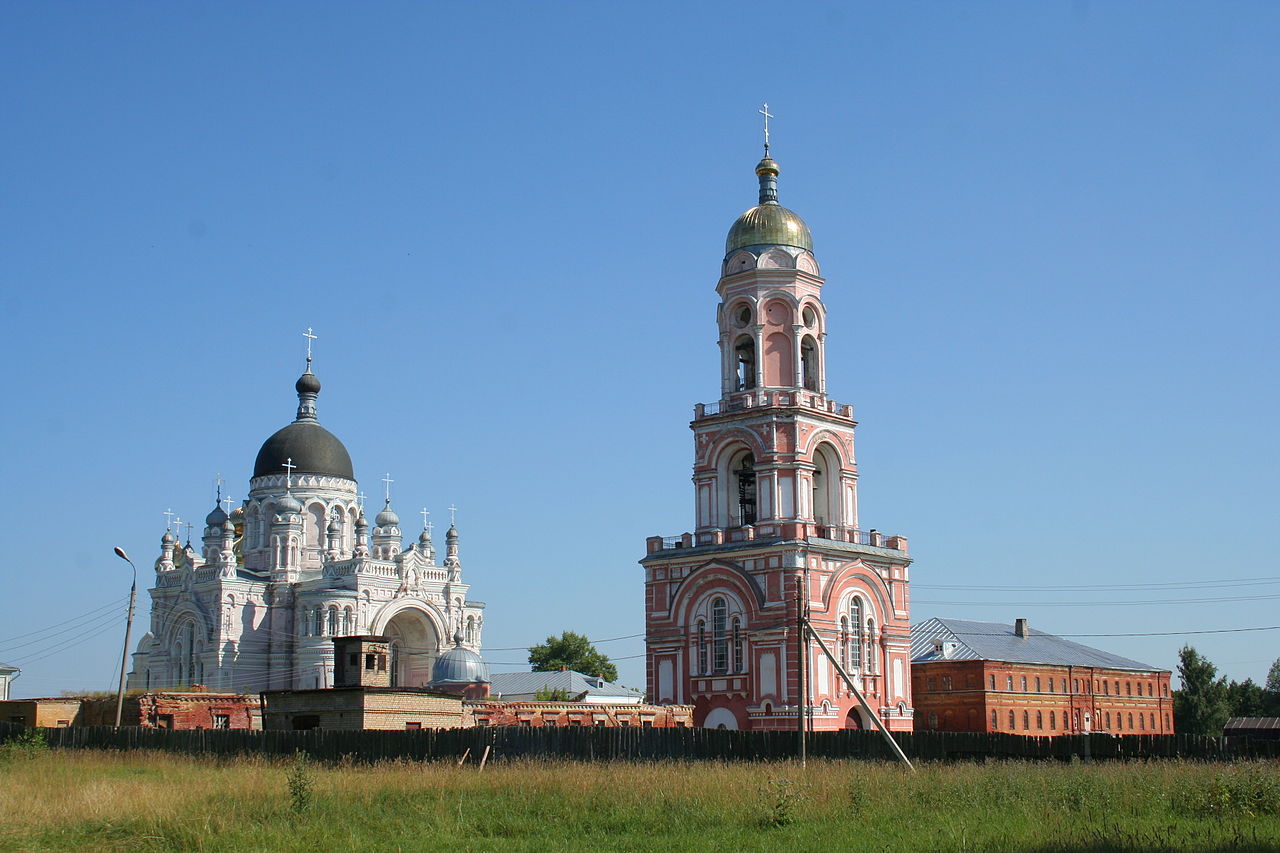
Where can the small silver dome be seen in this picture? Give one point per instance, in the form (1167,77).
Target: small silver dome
(460,666)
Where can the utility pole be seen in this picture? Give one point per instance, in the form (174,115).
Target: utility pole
(128,629)
(802,667)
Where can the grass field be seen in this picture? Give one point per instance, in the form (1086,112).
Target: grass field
(69,800)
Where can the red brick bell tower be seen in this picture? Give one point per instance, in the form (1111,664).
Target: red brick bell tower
(776,496)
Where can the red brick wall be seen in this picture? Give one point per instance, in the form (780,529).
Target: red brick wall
(538,714)
(962,695)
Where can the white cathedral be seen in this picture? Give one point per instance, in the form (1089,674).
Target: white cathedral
(291,568)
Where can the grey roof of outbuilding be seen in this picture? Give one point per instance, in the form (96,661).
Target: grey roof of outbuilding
(1253,723)
(997,641)
(4,667)
(572,683)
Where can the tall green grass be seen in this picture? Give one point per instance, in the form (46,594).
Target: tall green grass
(66,800)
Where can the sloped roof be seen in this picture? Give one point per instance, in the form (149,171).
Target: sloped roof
(4,667)
(572,683)
(997,641)
(1253,723)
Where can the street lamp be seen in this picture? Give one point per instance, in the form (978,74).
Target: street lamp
(128,629)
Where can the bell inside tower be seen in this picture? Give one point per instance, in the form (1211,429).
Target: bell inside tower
(746,477)
(745,358)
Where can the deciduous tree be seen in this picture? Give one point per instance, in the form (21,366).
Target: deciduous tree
(571,651)
(1200,705)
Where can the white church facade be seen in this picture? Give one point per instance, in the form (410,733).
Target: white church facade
(257,606)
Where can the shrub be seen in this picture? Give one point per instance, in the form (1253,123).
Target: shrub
(301,781)
(1241,791)
(26,744)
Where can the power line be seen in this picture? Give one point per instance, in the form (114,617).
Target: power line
(1228,582)
(1124,603)
(37,634)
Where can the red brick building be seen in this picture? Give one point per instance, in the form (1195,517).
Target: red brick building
(777,514)
(991,677)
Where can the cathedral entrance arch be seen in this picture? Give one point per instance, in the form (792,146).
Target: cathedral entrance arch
(415,645)
(853,719)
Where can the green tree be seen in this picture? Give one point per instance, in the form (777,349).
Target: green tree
(571,651)
(1246,699)
(1272,688)
(1200,705)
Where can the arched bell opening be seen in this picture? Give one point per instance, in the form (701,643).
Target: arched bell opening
(809,368)
(743,489)
(826,486)
(744,355)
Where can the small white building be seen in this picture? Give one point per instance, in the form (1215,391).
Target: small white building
(7,674)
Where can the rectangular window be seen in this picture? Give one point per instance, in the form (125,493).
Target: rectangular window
(1064,685)
(1106,689)
(382,663)
(222,721)
(370,661)
(1023,681)
(1038,684)
(417,727)
(930,681)
(946,682)
(1050,685)
(1008,683)
(992,681)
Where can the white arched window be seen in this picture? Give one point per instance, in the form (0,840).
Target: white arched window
(719,635)
(348,622)
(702,647)
(870,655)
(309,624)
(333,620)
(855,637)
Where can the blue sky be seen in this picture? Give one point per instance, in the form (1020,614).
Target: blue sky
(1049,233)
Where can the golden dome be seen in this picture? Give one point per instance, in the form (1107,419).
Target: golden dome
(768,225)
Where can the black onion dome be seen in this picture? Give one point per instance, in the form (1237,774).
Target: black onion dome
(313,449)
(307,384)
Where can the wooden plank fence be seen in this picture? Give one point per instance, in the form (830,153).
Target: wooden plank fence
(589,743)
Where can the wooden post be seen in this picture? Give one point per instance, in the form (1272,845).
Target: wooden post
(485,757)
(464,756)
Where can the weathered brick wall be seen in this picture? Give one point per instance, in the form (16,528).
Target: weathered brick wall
(362,709)
(537,714)
(46,713)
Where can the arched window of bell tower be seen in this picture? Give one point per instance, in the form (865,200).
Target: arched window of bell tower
(743,490)
(744,355)
(809,368)
(826,486)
